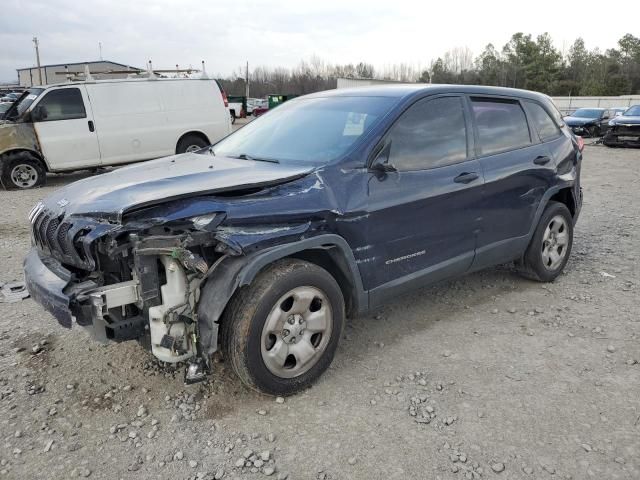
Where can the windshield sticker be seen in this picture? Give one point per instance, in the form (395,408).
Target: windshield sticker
(354,127)
(31,97)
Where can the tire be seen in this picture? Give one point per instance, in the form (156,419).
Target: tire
(233,117)
(593,131)
(539,262)
(191,143)
(21,171)
(273,363)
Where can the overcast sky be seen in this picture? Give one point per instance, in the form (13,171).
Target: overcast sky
(268,32)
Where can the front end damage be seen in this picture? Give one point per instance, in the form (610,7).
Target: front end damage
(136,282)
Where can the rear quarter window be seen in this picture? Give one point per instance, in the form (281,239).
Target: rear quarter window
(501,124)
(542,122)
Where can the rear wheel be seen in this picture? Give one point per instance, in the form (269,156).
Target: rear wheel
(233,117)
(550,246)
(281,332)
(20,171)
(190,143)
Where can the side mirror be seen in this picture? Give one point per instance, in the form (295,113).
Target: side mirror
(39,113)
(380,165)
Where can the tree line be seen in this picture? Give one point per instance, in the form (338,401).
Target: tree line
(523,62)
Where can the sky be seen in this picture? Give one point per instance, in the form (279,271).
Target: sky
(281,33)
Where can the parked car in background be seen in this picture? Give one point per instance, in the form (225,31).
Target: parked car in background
(255,103)
(56,128)
(617,111)
(3,108)
(332,204)
(624,130)
(588,122)
(10,97)
(237,107)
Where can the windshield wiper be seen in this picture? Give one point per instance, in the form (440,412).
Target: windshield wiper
(244,156)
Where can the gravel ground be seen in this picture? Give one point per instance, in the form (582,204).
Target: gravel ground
(488,376)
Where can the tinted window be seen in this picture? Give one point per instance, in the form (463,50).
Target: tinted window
(431,133)
(542,122)
(64,104)
(501,125)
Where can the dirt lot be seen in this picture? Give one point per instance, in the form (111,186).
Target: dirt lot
(489,376)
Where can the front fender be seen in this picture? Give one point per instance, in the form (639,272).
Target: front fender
(237,271)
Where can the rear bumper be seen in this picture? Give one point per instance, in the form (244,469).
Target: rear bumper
(47,288)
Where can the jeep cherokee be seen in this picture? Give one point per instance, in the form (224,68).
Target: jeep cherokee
(325,207)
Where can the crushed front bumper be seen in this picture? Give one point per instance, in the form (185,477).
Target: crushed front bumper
(86,303)
(47,287)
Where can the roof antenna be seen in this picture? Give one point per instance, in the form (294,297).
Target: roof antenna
(87,73)
(204,72)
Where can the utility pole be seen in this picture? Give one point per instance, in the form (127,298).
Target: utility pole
(246,82)
(35,42)
(100,48)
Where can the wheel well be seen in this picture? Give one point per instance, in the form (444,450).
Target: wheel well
(565,196)
(19,151)
(194,134)
(334,263)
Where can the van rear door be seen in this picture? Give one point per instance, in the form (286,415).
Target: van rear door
(63,120)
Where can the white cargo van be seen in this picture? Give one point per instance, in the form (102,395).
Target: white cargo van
(89,124)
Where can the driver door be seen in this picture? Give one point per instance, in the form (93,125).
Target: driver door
(63,121)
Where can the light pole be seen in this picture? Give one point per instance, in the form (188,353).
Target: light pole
(35,42)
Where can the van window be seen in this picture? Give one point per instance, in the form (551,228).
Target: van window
(431,133)
(63,104)
(501,125)
(543,123)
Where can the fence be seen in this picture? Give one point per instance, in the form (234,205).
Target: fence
(571,104)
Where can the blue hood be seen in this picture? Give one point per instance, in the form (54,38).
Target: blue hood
(110,195)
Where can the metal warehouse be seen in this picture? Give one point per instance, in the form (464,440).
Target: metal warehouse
(57,72)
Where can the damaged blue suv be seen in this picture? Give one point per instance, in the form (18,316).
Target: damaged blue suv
(332,204)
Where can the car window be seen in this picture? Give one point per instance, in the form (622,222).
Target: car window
(501,125)
(431,133)
(542,122)
(63,104)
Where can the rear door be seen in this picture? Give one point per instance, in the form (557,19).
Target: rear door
(518,170)
(63,121)
(423,216)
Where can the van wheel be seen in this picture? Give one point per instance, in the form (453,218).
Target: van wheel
(281,332)
(190,143)
(233,117)
(21,171)
(550,246)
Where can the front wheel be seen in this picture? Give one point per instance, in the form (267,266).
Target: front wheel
(19,171)
(550,246)
(281,332)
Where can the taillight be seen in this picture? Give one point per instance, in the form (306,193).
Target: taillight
(224,98)
(580,143)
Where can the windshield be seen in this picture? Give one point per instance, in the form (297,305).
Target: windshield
(23,103)
(313,130)
(632,111)
(587,113)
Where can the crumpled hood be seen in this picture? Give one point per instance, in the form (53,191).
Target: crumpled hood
(109,195)
(578,121)
(626,120)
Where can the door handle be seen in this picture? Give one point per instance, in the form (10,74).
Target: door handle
(466,177)
(92,127)
(541,160)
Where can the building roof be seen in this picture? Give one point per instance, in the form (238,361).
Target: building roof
(78,63)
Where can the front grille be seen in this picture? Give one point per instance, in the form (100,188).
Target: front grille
(62,238)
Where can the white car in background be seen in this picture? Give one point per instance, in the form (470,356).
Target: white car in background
(88,124)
